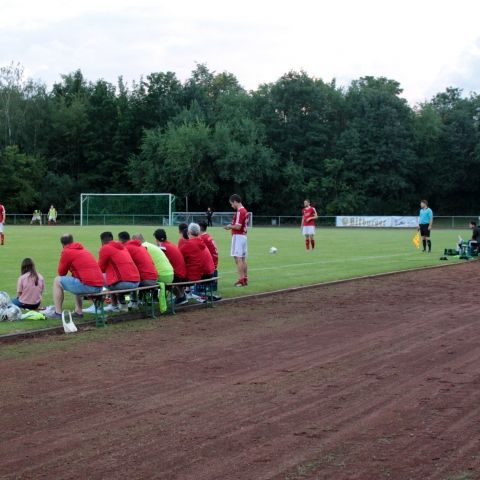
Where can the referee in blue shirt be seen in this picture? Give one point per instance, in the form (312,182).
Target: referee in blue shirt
(425,222)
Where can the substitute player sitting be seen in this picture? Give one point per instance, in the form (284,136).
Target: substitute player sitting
(309,215)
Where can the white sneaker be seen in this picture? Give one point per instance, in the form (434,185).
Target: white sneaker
(193,296)
(112,308)
(90,309)
(48,310)
(132,305)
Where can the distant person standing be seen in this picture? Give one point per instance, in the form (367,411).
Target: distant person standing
(52,215)
(3,216)
(474,242)
(239,239)
(209,214)
(425,223)
(36,217)
(309,215)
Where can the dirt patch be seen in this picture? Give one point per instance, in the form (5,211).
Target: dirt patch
(372,379)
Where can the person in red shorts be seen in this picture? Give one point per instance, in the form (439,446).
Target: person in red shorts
(239,239)
(309,215)
(120,270)
(3,217)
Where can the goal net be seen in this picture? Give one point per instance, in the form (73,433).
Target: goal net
(126,208)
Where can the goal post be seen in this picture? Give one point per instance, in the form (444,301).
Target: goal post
(126,208)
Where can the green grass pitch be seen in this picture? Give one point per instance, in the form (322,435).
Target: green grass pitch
(340,253)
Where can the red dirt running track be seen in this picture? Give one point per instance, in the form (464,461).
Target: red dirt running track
(372,379)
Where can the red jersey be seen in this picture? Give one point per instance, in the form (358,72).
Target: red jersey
(82,265)
(181,241)
(307,213)
(115,261)
(240,218)
(197,259)
(2,213)
(175,258)
(142,260)
(212,248)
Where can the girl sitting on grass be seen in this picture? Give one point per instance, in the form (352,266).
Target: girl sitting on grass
(30,286)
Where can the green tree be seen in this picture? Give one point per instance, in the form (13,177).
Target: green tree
(303,118)
(377,146)
(176,161)
(22,177)
(455,175)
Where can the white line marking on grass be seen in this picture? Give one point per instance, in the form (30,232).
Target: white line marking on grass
(322,262)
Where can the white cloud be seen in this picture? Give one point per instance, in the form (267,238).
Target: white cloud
(421,44)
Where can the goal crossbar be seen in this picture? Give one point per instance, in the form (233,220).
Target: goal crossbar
(85,213)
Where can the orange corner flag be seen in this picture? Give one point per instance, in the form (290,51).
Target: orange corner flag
(416,240)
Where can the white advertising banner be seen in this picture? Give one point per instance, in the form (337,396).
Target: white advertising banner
(377,222)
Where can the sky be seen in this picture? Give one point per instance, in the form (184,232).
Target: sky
(425,45)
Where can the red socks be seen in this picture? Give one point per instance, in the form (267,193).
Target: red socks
(2,237)
(313,243)
(307,243)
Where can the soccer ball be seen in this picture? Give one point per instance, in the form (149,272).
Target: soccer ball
(273,250)
(4,299)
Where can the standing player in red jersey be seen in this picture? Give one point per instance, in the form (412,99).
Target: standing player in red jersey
(3,215)
(239,239)
(309,215)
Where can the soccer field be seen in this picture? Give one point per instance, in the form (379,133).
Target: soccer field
(340,253)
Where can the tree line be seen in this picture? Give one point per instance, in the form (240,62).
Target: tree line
(360,149)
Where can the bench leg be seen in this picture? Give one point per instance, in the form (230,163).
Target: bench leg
(99,313)
(149,304)
(171,301)
(209,295)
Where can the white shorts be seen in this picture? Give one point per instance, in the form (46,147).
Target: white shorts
(1,227)
(239,246)
(52,219)
(308,230)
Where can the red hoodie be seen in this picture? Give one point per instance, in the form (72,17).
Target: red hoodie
(175,258)
(116,262)
(212,248)
(198,259)
(181,241)
(142,260)
(82,265)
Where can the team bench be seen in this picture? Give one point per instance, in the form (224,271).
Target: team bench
(147,294)
(208,283)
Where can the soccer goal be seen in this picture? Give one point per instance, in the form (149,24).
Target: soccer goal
(126,208)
